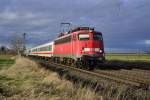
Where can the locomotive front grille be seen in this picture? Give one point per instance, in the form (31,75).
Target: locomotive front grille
(93,57)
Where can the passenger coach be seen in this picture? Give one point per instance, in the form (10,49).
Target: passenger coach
(45,50)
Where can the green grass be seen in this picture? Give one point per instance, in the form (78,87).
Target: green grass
(6,56)
(6,61)
(128,57)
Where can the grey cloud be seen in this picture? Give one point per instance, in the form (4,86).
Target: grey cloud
(123,22)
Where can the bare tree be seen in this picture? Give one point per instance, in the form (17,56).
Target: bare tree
(3,49)
(17,43)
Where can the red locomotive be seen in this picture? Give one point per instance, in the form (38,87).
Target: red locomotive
(82,46)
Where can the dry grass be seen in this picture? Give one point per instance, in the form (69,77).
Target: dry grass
(27,81)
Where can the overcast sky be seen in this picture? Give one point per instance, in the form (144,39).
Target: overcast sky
(125,24)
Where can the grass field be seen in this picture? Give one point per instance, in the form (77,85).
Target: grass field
(128,57)
(6,61)
(23,79)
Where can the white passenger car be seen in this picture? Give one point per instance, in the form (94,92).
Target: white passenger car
(45,50)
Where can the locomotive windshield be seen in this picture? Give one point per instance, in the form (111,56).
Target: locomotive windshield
(84,36)
(97,37)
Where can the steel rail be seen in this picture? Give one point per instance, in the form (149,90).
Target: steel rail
(126,76)
(137,83)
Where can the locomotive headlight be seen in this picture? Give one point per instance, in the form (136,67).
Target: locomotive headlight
(100,51)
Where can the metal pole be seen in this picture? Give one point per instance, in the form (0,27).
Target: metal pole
(24,41)
(62,26)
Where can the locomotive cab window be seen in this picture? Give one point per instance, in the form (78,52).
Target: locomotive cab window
(84,36)
(97,37)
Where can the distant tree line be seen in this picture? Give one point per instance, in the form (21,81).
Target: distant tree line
(17,43)
(3,49)
(6,50)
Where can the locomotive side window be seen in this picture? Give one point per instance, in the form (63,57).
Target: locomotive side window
(84,36)
(97,37)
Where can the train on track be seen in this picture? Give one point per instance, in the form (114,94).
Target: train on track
(82,47)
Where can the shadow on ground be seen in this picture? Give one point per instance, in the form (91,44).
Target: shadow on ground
(118,65)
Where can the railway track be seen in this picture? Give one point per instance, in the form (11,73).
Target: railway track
(138,73)
(128,76)
(141,70)
(113,76)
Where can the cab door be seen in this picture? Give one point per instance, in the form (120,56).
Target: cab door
(74,46)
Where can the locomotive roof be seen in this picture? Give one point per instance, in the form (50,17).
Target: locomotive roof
(65,34)
(82,28)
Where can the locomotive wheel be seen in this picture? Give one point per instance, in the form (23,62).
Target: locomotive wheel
(89,65)
(78,64)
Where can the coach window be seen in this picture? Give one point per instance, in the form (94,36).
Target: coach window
(84,36)
(50,48)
